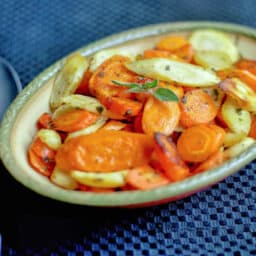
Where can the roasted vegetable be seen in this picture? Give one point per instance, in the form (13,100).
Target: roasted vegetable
(212,40)
(171,70)
(68,79)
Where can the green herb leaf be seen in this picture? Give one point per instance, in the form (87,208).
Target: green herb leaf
(165,94)
(142,87)
(130,85)
(149,85)
(136,89)
(162,94)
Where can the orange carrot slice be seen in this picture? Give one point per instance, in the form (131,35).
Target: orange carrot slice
(159,116)
(145,177)
(197,107)
(185,53)
(168,159)
(74,120)
(252,132)
(44,121)
(249,65)
(83,88)
(171,43)
(42,150)
(122,106)
(105,151)
(197,143)
(111,69)
(213,161)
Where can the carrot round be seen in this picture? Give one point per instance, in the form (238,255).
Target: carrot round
(249,65)
(42,150)
(111,69)
(41,157)
(197,107)
(197,143)
(171,43)
(252,132)
(145,177)
(159,116)
(83,88)
(137,123)
(44,121)
(153,53)
(105,151)
(74,120)
(213,161)
(122,106)
(166,156)
(185,53)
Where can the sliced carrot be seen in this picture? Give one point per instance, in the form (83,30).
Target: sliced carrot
(42,150)
(122,106)
(220,120)
(171,43)
(43,167)
(105,151)
(137,124)
(111,69)
(166,155)
(114,116)
(145,177)
(44,121)
(249,65)
(252,132)
(153,53)
(114,125)
(219,135)
(178,90)
(197,107)
(83,88)
(74,120)
(197,143)
(213,161)
(244,75)
(185,53)
(159,116)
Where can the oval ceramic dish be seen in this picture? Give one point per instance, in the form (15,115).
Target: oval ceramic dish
(18,125)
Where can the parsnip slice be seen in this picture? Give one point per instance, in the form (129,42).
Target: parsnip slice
(99,57)
(171,70)
(212,40)
(90,129)
(103,180)
(237,119)
(63,179)
(241,92)
(213,59)
(50,137)
(83,102)
(231,139)
(68,79)
(238,148)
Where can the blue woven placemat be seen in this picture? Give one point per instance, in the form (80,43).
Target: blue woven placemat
(218,221)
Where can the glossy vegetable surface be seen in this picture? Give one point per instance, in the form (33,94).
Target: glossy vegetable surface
(121,121)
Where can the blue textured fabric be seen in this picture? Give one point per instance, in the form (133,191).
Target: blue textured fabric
(219,221)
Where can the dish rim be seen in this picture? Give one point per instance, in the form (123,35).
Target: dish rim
(119,199)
